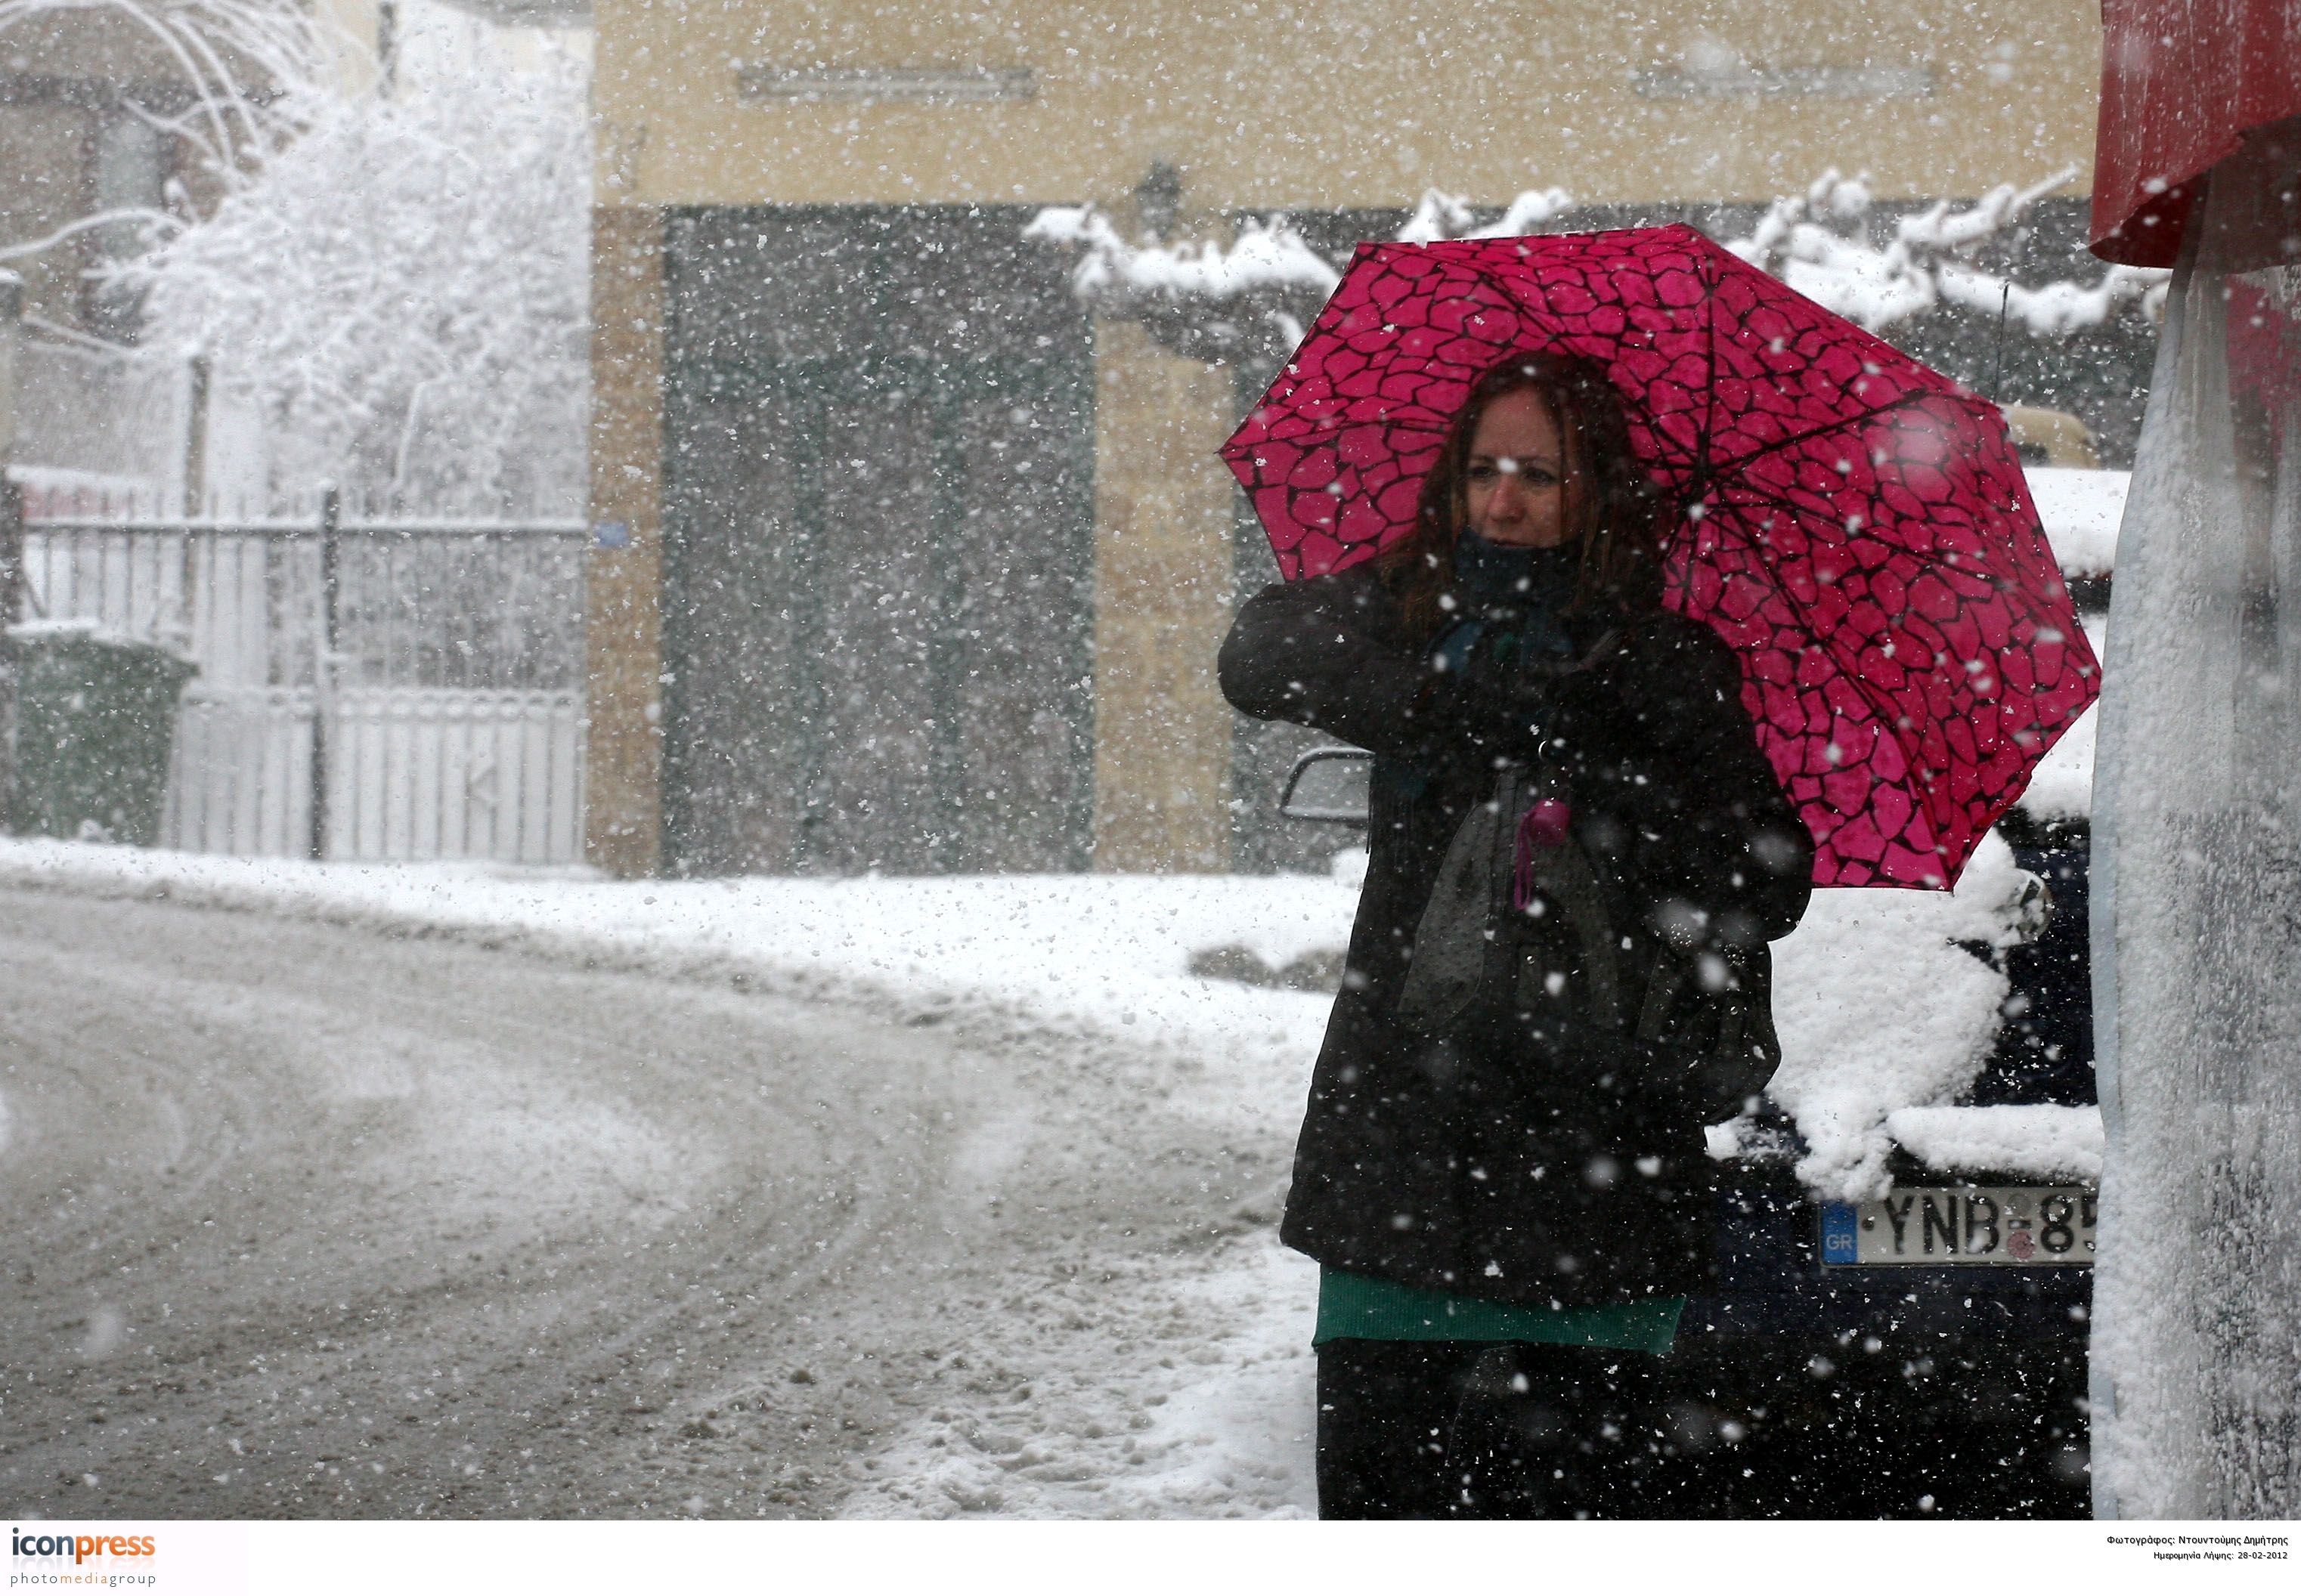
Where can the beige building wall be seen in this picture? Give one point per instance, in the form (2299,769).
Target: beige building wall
(355,36)
(1163,518)
(1344,103)
(44,185)
(1259,104)
(623,777)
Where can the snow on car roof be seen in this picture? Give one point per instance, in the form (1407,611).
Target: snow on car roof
(2061,786)
(1880,1010)
(2080,510)
(2040,1140)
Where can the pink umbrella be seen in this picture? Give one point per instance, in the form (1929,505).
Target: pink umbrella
(1855,523)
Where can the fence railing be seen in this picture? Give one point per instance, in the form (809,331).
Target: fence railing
(369,688)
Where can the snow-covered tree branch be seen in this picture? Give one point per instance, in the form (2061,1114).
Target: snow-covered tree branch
(1253,297)
(1257,294)
(1205,300)
(250,70)
(401,294)
(395,286)
(1819,244)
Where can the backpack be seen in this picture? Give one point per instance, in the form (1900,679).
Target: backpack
(1532,946)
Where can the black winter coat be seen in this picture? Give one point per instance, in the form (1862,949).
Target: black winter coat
(1550,1157)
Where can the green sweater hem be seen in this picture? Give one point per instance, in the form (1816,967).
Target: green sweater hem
(1361,1308)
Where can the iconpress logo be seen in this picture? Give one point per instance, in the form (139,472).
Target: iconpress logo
(109,1552)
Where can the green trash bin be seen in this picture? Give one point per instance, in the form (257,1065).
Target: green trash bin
(95,716)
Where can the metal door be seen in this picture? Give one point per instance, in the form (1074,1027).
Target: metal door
(879,549)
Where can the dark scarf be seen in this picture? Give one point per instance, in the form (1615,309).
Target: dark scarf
(1512,602)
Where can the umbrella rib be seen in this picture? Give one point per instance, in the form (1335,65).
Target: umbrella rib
(1907,401)
(1881,712)
(1665,454)
(1750,495)
(1710,392)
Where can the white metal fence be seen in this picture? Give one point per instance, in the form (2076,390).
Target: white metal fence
(367,689)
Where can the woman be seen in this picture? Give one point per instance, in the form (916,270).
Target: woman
(1556,977)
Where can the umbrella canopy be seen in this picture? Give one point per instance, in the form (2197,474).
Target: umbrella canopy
(1856,524)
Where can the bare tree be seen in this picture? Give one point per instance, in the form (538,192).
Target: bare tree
(394,286)
(402,294)
(248,74)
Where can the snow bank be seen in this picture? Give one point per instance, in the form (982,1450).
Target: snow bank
(1203,1407)
(1878,1011)
(2041,1140)
(2081,511)
(1099,955)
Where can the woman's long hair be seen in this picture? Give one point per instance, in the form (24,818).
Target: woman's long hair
(1613,512)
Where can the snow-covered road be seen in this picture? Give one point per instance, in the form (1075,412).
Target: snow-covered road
(560,1180)
(310,1220)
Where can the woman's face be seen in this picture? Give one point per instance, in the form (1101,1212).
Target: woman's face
(1515,483)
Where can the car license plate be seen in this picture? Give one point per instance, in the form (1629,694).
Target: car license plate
(2024,1227)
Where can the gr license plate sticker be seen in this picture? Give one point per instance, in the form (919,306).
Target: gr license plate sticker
(1974,1226)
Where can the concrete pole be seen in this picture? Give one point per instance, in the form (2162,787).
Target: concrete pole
(12,533)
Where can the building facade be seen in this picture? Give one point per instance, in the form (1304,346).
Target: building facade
(903,561)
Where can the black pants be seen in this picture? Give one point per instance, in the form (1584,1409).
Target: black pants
(1505,1430)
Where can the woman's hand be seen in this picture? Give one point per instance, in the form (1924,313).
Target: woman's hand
(1491,709)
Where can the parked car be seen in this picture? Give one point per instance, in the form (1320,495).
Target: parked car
(2043,436)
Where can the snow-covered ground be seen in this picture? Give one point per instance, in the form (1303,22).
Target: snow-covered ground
(1878,1011)
(1101,954)
(1880,1014)
(1218,1364)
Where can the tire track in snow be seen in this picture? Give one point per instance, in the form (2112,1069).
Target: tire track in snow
(368,1226)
